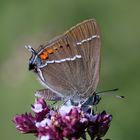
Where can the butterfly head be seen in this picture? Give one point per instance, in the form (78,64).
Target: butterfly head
(34,61)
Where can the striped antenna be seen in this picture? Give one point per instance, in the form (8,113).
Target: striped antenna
(110,92)
(30,49)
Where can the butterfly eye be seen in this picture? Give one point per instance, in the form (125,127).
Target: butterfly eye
(44,55)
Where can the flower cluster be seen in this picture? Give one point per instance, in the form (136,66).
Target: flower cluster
(69,122)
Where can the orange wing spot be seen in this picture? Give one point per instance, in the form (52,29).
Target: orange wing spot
(50,51)
(44,55)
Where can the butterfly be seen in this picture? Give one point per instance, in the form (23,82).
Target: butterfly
(69,64)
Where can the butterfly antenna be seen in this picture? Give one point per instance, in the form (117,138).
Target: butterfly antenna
(108,92)
(30,49)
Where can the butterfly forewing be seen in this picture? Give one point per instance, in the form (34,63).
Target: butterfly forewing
(73,66)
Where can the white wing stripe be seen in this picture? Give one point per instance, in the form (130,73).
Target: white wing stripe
(61,60)
(88,39)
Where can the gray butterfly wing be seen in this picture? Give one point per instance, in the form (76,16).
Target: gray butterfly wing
(73,67)
(47,94)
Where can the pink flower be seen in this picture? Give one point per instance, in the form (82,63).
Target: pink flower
(68,121)
(25,123)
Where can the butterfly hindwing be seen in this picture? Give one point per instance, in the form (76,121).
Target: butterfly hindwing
(70,63)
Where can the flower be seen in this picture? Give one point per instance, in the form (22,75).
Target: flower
(40,109)
(67,121)
(25,123)
(98,125)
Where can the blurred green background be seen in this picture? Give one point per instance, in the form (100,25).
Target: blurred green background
(34,22)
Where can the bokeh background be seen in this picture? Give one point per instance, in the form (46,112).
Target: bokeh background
(34,22)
